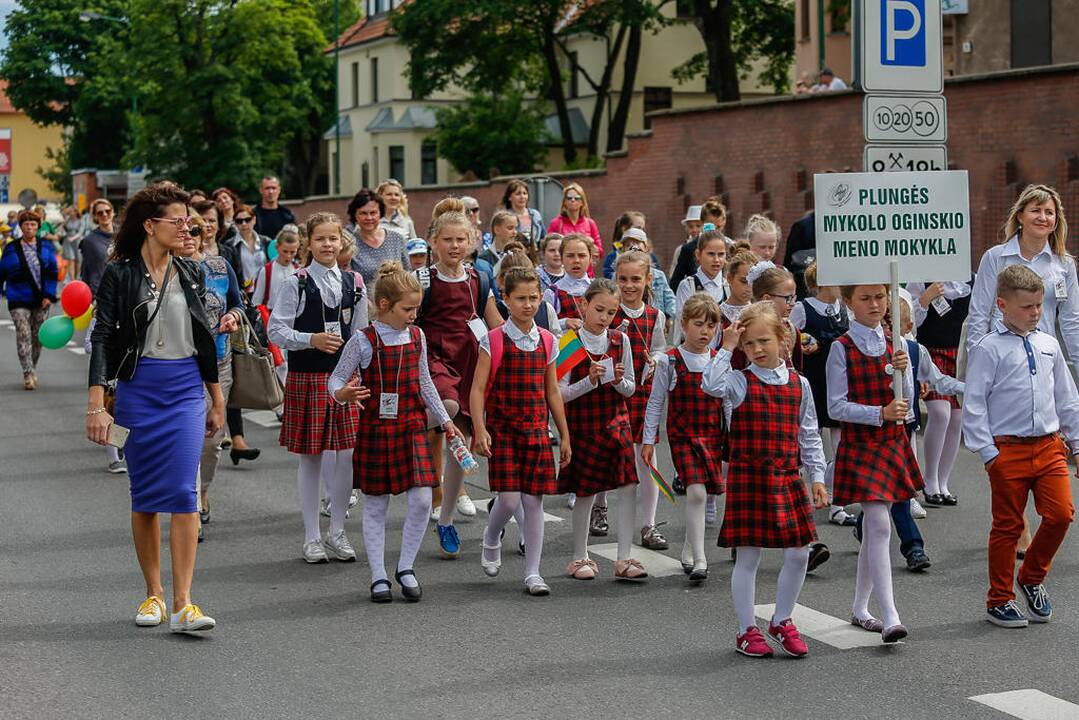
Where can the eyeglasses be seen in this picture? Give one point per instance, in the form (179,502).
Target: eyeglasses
(573,198)
(177,223)
(243,220)
(789,299)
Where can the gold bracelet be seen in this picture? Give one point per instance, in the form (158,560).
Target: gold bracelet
(96,411)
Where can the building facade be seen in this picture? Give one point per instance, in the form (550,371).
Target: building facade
(23,147)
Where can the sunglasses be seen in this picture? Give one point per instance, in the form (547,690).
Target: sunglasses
(102,212)
(243,220)
(177,223)
(474,211)
(572,198)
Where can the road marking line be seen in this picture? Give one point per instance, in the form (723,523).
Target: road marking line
(825,628)
(1029,704)
(265,418)
(657,564)
(77,350)
(7,323)
(481,505)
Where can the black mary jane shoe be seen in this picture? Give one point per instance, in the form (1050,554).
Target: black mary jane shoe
(381,596)
(246,454)
(698,575)
(412,594)
(950,500)
(936,500)
(687,568)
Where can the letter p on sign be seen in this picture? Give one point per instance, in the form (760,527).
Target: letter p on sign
(902,39)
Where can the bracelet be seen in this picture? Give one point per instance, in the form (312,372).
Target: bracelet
(96,411)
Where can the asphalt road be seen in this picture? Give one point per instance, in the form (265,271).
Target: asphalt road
(296,640)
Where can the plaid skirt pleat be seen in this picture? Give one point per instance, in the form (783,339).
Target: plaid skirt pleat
(313,421)
(945,360)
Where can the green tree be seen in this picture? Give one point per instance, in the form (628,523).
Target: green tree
(489,131)
(737,34)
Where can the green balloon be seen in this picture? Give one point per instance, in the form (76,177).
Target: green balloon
(56,331)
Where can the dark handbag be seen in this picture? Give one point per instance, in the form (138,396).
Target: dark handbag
(255,385)
(254,318)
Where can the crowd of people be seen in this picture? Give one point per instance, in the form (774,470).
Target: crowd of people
(404,353)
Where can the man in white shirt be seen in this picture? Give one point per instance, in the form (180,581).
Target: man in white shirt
(1020,399)
(829,82)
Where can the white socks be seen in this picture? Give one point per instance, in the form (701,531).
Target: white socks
(627,517)
(308,479)
(647,491)
(943,429)
(453,477)
(582,515)
(744,584)
(416,519)
(374,533)
(530,510)
(112,453)
(340,489)
(874,565)
(335,470)
(693,548)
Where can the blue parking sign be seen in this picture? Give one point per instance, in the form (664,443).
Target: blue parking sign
(903,33)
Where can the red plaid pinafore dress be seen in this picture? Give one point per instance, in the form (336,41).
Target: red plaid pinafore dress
(639,331)
(872,464)
(521,459)
(767,503)
(392,455)
(603,459)
(695,428)
(568,306)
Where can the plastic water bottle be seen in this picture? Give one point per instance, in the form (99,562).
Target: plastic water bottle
(462,455)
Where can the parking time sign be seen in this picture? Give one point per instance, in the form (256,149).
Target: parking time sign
(900,49)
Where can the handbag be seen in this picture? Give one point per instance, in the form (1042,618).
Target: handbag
(255,385)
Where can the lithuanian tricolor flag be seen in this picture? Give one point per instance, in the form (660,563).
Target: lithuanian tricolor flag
(664,488)
(570,353)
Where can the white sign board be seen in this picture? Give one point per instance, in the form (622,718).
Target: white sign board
(954,7)
(866,220)
(905,158)
(901,46)
(905,118)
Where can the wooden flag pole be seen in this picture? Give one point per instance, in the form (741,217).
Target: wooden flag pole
(898,343)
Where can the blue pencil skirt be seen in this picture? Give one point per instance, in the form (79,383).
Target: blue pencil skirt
(164,408)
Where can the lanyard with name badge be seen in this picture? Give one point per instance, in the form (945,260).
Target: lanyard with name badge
(387,402)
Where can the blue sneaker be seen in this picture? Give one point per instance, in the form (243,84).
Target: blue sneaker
(1007,615)
(1037,602)
(448,541)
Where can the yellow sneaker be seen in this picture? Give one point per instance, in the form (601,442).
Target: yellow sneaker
(151,613)
(190,619)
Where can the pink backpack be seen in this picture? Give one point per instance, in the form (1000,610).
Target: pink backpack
(497,339)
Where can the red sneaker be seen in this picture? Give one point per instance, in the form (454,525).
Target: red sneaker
(752,643)
(786,634)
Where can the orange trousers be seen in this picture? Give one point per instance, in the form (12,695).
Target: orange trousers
(1040,467)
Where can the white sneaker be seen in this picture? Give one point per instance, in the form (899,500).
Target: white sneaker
(313,552)
(571,500)
(465,506)
(436,513)
(916,510)
(352,500)
(151,613)
(117,467)
(191,619)
(338,547)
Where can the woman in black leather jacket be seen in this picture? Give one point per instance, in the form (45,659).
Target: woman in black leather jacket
(152,336)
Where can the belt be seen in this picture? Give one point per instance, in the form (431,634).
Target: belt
(1022,440)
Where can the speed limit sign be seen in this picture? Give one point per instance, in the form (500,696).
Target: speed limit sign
(905,118)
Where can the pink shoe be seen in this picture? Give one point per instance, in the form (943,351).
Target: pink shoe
(752,643)
(582,570)
(629,570)
(786,634)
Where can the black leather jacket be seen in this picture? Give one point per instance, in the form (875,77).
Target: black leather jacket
(123,319)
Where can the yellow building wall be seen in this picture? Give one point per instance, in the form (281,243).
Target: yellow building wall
(28,145)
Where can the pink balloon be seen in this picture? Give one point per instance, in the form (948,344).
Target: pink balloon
(76,298)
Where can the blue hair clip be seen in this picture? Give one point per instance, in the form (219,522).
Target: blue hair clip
(708,227)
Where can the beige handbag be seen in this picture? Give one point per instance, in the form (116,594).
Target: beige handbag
(255,385)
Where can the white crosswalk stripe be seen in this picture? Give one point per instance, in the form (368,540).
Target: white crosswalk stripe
(1029,704)
(827,629)
(6,323)
(656,564)
(265,418)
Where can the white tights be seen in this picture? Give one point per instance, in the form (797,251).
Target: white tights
(336,469)
(648,491)
(453,477)
(875,564)
(943,429)
(693,548)
(744,584)
(582,513)
(511,504)
(833,436)
(374,532)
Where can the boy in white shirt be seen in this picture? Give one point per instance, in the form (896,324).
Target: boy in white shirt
(1020,399)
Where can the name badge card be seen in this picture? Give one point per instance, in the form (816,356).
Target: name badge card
(333,327)
(941,305)
(387,406)
(608,370)
(478,328)
(1061,289)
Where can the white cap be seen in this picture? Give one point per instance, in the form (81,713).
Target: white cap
(693,213)
(634,234)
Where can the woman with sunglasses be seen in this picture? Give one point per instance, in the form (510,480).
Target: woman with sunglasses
(251,247)
(224,307)
(574,217)
(154,338)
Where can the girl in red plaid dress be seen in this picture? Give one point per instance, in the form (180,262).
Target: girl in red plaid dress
(317,311)
(392,456)
(565,295)
(874,463)
(454,318)
(595,393)
(514,387)
(643,325)
(773,430)
(695,425)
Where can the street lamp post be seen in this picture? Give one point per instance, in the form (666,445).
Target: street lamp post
(337,96)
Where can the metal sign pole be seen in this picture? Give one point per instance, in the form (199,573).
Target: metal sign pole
(898,343)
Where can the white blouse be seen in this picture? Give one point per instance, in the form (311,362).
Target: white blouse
(663,385)
(597,345)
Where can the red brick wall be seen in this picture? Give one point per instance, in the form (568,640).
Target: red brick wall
(1006,129)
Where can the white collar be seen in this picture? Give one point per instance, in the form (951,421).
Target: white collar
(446,278)
(570,284)
(705,280)
(628,312)
(773,376)
(822,307)
(515,333)
(859,330)
(732,312)
(1012,248)
(1002,329)
(318,270)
